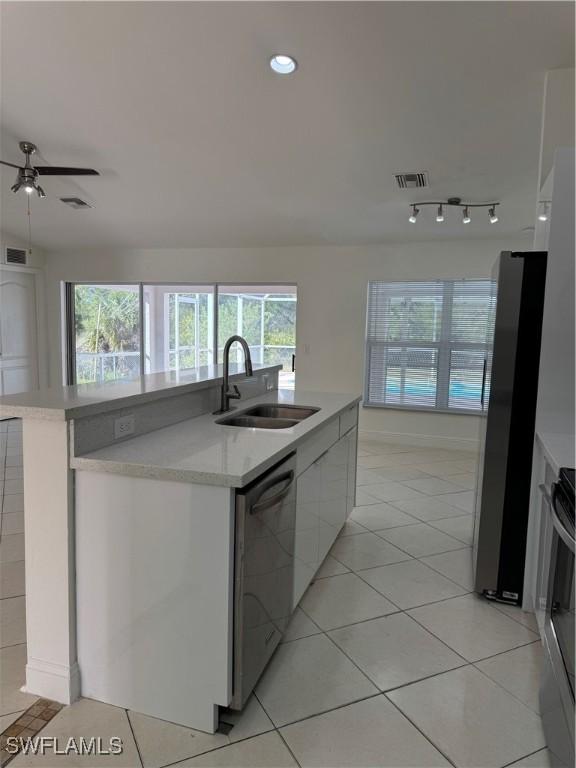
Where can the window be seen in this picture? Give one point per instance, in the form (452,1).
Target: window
(266,317)
(178,327)
(426,343)
(106,332)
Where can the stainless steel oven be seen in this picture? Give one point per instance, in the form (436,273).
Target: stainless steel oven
(264,571)
(557,689)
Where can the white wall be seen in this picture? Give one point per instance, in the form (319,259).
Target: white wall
(556,383)
(557,118)
(332,284)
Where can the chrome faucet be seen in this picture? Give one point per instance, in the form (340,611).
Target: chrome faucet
(228,395)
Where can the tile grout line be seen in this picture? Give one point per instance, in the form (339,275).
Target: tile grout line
(413,607)
(288,747)
(134,737)
(542,749)
(437,748)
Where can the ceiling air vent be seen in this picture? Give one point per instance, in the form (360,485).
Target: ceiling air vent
(75,202)
(15,256)
(415,180)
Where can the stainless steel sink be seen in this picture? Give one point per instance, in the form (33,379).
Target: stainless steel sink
(281,411)
(257,422)
(269,416)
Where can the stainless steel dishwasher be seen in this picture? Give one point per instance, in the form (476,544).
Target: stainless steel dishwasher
(264,568)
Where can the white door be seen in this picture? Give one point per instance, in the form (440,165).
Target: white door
(18,332)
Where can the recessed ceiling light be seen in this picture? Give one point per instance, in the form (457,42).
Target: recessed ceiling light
(283,64)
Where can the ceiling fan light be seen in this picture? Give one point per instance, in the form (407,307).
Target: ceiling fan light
(40,191)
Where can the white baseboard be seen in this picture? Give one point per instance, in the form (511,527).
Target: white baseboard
(52,681)
(422,441)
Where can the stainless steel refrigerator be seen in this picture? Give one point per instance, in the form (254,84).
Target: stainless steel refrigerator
(509,393)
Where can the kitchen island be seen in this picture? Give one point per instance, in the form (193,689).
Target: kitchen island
(132,539)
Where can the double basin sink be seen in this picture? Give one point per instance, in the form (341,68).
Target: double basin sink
(269,416)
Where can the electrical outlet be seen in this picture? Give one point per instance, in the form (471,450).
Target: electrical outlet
(124,426)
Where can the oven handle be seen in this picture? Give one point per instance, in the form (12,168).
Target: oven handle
(287,478)
(556,522)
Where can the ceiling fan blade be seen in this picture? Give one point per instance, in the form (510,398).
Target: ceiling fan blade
(54,170)
(12,165)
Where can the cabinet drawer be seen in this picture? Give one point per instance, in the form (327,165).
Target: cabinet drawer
(348,419)
(318,444)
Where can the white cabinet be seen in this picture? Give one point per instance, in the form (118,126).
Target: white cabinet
(352,440)
(333,496)
(308,487)
(324,499)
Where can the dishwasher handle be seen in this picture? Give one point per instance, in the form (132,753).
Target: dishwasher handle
(287,478)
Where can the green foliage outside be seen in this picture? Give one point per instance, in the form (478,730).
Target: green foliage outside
(107,320)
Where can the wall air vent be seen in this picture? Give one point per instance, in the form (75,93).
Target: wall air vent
(75,202)
(15,256)
(415,180)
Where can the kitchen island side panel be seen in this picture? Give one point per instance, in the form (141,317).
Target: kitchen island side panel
(154,586)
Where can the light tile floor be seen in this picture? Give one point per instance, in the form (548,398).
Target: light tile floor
(390,659)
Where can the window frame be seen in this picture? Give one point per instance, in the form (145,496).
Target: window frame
(444,347)
(69,310)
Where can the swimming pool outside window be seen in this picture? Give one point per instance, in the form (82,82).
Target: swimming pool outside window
(426,343)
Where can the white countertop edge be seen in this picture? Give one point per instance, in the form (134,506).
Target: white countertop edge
(300,433)
(149,472)
(66,413)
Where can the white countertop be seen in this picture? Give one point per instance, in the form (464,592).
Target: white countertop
(63,403)
(200,451)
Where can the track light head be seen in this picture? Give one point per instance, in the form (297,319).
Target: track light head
(543,215)
(440,214)
(492,214)
(413,215)
(466,216)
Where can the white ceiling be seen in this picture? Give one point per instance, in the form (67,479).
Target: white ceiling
(200,144)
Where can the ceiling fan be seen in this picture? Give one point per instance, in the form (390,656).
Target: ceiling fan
(28,174)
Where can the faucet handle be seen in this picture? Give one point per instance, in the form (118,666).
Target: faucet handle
(236,395)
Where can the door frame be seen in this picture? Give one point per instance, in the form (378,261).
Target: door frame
(40,305)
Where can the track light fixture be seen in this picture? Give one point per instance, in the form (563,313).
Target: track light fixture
(456,201)
(543,215)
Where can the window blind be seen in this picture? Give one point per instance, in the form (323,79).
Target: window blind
(426,343)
